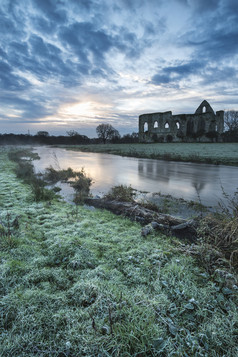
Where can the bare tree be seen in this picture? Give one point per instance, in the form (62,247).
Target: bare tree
(231,120)
(72,133)
(43,133)
(106,132)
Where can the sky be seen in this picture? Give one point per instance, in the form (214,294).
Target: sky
(74,64)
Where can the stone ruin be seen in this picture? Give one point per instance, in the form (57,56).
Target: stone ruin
(203,126)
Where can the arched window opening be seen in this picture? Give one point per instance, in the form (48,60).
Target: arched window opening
(204,109)
(156,125)
(216,128)
(178,125)
(145,127)
(166,125)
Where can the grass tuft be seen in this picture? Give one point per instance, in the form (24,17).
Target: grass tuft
(121,193)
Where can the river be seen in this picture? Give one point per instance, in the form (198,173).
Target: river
(189,181)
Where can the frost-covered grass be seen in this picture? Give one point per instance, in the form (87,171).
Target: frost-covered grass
(82,282)
(214,153)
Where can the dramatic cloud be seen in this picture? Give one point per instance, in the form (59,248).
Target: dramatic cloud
(74,64)
(177,72)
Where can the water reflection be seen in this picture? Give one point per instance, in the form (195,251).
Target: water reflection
(178,176)
(153,170)
(186,180)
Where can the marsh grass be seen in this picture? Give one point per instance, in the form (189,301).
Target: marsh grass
(24,170)
(77,179)
(54,176)
(220,229)
(81,186)
(122,193)
(18,154)
(87,283)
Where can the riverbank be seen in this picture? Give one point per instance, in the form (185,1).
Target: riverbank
(83,282)
(210,153)
(197,182)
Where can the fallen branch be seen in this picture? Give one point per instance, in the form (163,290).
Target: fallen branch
(136,212)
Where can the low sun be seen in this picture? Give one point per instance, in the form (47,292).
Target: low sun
(84,109)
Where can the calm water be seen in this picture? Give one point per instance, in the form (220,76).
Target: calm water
(182,180)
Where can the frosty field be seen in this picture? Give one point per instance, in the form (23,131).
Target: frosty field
(214,153)
(77,281)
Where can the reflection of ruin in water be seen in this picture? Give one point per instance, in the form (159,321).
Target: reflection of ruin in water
(177,173)
(153,170)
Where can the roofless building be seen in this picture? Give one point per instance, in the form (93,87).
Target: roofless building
(204,125)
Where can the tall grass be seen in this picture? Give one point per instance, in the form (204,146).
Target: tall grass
(121,193)
(25,171)
(220,230)
(81,182)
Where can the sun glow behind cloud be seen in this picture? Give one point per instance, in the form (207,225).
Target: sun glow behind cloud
(84,111)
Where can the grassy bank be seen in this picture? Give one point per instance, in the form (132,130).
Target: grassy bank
(217,153)
(82,282)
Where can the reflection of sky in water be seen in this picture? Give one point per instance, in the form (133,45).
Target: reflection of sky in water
(186,180)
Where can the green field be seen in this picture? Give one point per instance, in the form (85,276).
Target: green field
(216,153)
(76,281)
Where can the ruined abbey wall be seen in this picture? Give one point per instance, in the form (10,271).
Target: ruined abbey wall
(204,125)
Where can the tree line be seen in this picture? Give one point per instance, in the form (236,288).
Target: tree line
(105,133)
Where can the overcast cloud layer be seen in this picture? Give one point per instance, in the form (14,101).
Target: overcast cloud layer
(77,63)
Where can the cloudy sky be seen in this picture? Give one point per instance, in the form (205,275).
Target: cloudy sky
(73,64)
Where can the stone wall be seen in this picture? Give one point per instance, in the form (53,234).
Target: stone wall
(204,125)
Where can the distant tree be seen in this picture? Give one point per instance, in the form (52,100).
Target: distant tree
(116,137)
(126,139)
(230,136)
(76,138)
(42,133)
(231,126)
(231,120)
(130,138)
(106,132)
(72,133)
(135,137)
